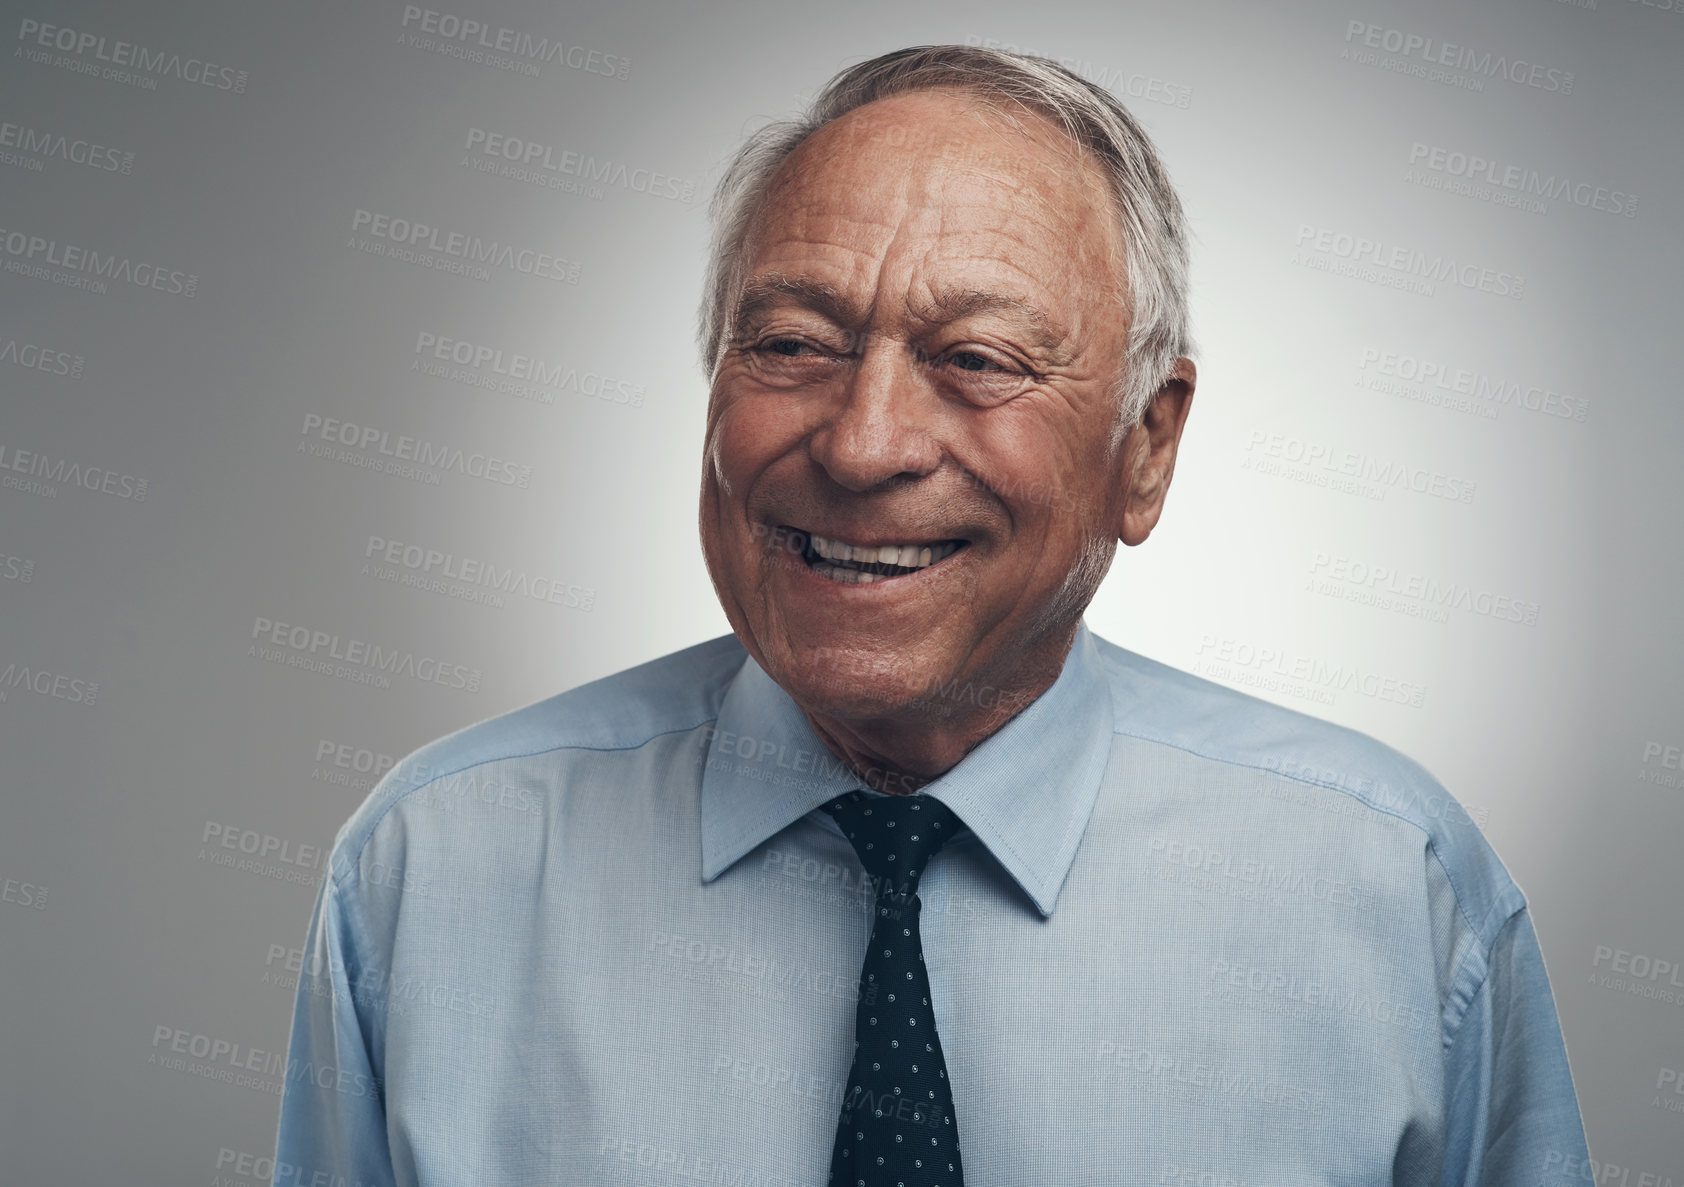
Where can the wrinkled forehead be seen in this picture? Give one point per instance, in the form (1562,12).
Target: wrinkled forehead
(957,176)
(961,127)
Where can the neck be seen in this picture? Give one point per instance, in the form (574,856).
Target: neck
(899,753)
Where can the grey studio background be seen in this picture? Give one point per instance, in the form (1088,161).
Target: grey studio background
(349,397)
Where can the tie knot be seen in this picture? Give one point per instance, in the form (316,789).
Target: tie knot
(895,836)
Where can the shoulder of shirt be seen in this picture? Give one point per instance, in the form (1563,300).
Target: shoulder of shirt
(676,692)
(1158,703)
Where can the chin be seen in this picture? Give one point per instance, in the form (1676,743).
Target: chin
(854,683)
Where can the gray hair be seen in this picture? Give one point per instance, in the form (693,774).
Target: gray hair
(1148,211)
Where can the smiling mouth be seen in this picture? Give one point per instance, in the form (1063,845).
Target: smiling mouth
(867,564)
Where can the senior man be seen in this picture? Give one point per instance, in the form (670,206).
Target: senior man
(913,879)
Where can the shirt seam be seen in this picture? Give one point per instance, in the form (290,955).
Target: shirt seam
(1432,846)
(1453,1028)
(356,930)
(1507,894)
(1482,949)
(340,878)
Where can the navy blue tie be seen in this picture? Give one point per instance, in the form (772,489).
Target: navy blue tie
(897,1127)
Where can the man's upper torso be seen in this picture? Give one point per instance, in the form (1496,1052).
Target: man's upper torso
(1189,938)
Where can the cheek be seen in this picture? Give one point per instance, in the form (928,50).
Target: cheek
(1035,471)
(760,424)
(749,436)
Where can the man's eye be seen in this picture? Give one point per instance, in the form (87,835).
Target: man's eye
(970,360)
(789,348)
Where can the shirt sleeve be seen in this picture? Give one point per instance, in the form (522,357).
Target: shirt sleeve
(333,1117)
(1511,1115)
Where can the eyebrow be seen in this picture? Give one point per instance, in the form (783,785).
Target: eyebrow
(774,289)
(946,305)
(949,305)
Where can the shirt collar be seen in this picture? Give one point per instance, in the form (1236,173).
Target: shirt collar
(1026,792)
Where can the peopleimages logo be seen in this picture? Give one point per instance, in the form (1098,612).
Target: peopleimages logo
(467,577)
(128,62)
(1671,758)
(1244,663)
(1389,588)
(1269,878)
(39,143)
(425,244)
(1320,459)
(349,760)
(47,684)
(32,356)
(513,373)
(1526,185)
(508,49)
(35,256)
(1407,263)
(1561,1166)
(1411,376)
(16,568)
(379,449)
(540,158)
(311,649)
(40,470)
(1414,52)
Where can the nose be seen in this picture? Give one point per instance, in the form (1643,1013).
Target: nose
(881,427)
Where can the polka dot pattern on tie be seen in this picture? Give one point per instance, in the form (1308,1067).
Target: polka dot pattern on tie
(897,1127)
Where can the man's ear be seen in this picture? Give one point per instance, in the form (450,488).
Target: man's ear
(1149,452)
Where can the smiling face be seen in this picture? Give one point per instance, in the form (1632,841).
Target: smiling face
(909,475)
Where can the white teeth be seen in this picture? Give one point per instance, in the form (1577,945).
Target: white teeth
(849,576)
(846,576)
(906,556)
(835,557)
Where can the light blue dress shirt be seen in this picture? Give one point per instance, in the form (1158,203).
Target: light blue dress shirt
(1189,939)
